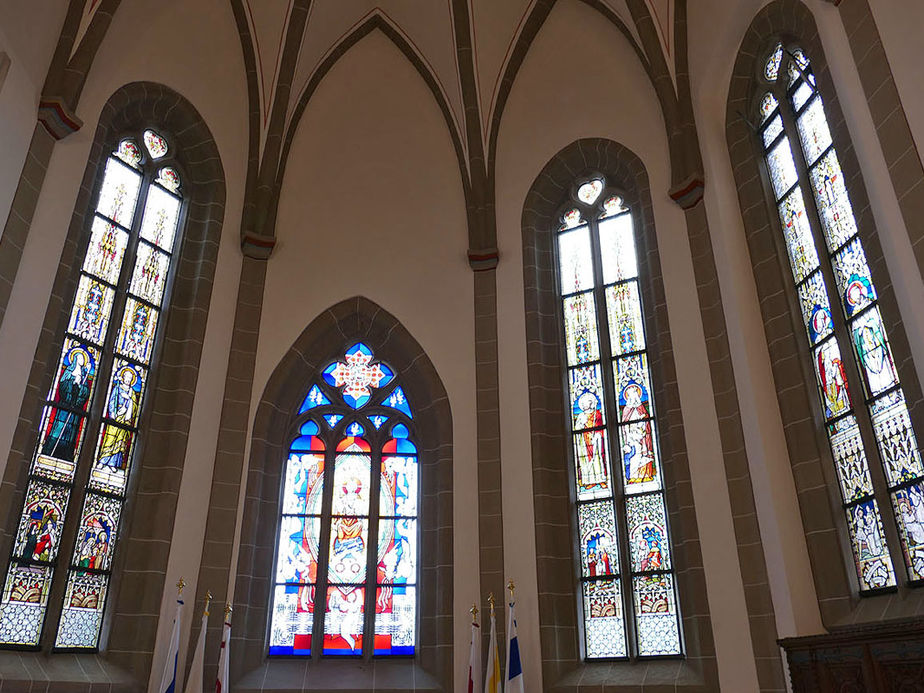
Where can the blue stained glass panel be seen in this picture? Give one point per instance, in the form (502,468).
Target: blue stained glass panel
(397,400)
(332,419)
(309,428)
(354,429)
(647,527)
(587,410)
(76,376)
(378,420)
(356,375)
(599,548)
(314,398)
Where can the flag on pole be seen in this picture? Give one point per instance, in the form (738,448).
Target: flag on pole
(168,680)
(196,675)
(514,667)
(492,682)
(474,657)
(221,684)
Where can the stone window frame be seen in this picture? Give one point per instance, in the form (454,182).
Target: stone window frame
(557,571)
(127,640)
(326,338)
(840,604)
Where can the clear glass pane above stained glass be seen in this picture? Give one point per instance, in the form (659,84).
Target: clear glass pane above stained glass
(22,608)
(75,377)
(853,278)
(149,277)
(292,620)
(768,104)
(119,192)
(574,260)
(647,528)
(351,485)
(136,335)
(617,249)
(90,314)
(874,566)
(96,535)
(803,257)
(599,548)
(113,456)
(590,191)
(640,462)
(343,620)
(581,329)
(299,543)
(624,312)
(126,389)
(398,490)
(772,67)
(832,380)
(592,473)
(604,622)
(909,510)
(395,620)
(397,552)
(773,129)
(586,386)
(106,250)
(60,440)
(813,130)
(895,437)
(304,484)
(816,311)
(873,352)
(656,615)
(161,212)
(39,534)
(850,458)
(837,218)
(633,387)
(782,167)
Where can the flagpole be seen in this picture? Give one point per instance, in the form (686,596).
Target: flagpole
(196,674)
(474,657)
(168,680)
(513,671)
(221,684)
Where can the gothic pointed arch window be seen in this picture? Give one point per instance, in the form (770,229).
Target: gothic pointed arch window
(346,560)
(86,444)
(860,396)
(627,579)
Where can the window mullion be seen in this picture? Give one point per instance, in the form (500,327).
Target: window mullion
(612,432)
(842,336)
(320,587)
(372,552)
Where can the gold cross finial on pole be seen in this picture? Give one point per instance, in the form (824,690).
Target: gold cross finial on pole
(491,601)
(208,601)
(228,610)
(180,584)
(474,612)
(511,587)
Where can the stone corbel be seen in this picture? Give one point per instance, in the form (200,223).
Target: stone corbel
(482,259)
(257,246)
(688,192)
(57,117)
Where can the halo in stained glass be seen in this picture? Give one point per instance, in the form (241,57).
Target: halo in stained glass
(768,104)
(599,548)
(126,389)
(813,131)
(356,375)
(332,419)
(398,400)
(816,311)
(581,328)
(872,349)
(76,376)
(314,398)
(803,257)
(155,144)
(97,532)
(772,66)
(571,218)
(633,387)
(129,153)
(624,313)
(586,385)
(351,486)
(871,554)
(574,260)
(853,278)
(105,251)
(898,445)
(837,218)
(617,249)
(656,615)
(850,458)
(590,191)
(647,528)
(169,178)
(395,619)
(604,624)
(909,509)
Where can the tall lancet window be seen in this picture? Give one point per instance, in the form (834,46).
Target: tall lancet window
(629,599)
(346,562)
(861,401)
(88,434)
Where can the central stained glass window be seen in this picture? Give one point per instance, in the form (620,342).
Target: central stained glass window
(346,563)
(626,562)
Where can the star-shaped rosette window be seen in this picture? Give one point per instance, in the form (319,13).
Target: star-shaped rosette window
(357,375)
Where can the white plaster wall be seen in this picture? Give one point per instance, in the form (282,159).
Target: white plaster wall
(595,87)
(194,49)
(28,35)
(372,205)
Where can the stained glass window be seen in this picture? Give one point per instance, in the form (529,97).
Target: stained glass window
(347,561)
(861,397)
(92,410)
(629,601)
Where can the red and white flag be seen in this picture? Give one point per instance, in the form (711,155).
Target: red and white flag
(221,683)
(474,661)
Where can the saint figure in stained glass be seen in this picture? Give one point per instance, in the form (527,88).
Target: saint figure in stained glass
(122,405)
(42,530)
(62,434)
(93,541)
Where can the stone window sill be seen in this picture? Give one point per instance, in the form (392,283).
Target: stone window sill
(653,675)
(65,672)
(342,676)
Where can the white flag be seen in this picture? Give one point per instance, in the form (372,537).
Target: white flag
(514,667)
(168,680)
(474,661)
(492,682)
(196,675)
(221,684)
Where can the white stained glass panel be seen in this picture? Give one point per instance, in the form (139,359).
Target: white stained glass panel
(803,257)
(395,619)
(136,335)
(802,94)
(293,618)
(617,249)
(22,608)
(119,192)
(782,167)
(874,566)
(90,314)
(604,622)
(82,615)
(772,131)
(813,131)
(909,509)
(656,615)
(105,252)
(161,212)
(149,277)
(837,217)
(574,259)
